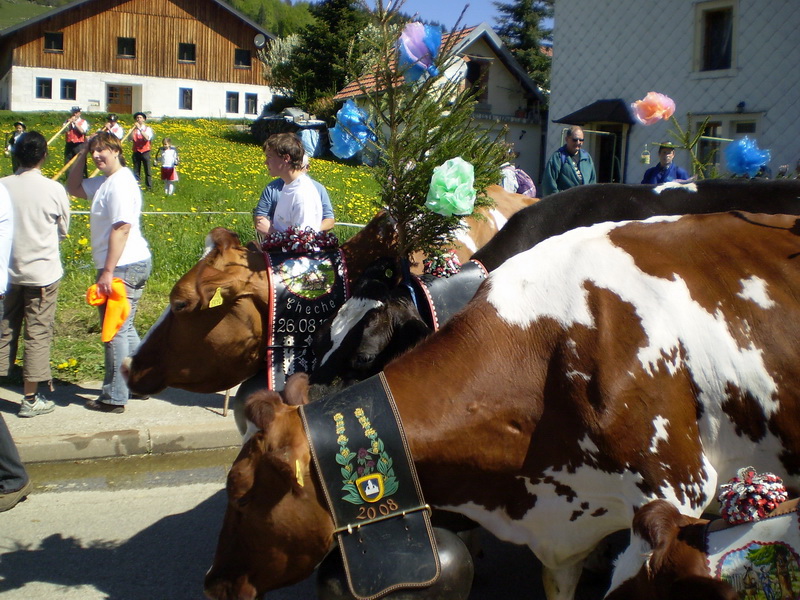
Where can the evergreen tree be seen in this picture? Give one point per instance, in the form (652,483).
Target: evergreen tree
(417,127)
(320,62)
(521,29)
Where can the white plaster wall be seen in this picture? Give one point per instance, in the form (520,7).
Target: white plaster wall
(155,96)
(626,48)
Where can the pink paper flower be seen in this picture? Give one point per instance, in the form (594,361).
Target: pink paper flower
(653,108)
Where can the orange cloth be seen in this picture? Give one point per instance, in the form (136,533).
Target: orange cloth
(117,309)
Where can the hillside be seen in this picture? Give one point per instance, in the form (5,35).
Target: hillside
(17,11)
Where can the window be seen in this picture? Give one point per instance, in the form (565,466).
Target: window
(44,87)
(241,58)
(478,78)
(126,47)
(185,98)
(744,128)
(54,42)
(251,104)
(715,43)
(69,89)
(186,53)
(708,150)
(232,102)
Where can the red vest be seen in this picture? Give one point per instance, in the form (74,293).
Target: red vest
(140,143)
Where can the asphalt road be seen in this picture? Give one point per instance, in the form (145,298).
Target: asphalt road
(136,529)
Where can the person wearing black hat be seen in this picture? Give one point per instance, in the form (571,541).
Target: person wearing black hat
(113,126)
(141,136)
(77,127)
(665,170)
(19,129)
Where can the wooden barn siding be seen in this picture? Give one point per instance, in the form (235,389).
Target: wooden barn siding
(91,30)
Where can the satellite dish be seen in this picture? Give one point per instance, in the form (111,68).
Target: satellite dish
(260,40)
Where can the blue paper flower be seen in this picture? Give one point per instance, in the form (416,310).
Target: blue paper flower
(745,158)
(351,132)
(418,47)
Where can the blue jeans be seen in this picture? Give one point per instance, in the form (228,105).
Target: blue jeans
(115,389)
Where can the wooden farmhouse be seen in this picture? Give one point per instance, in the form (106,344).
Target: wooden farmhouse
(182,58)
(507,96)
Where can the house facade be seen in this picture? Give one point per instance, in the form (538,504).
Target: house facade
(182,58)
(507,96)
(731,61)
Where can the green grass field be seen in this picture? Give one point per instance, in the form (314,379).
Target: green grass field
(221,172)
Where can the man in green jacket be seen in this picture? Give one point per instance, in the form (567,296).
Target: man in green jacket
(569,165)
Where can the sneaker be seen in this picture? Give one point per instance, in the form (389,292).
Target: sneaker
(101,406)
(11,499)
(39,405)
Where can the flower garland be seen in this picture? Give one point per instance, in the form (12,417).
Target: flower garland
(750,496)
(442,265)
(299,240)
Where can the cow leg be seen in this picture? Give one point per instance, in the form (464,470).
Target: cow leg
(246,388)
(560,584)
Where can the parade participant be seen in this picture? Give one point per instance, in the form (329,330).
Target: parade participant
(265,209)
(113,126)
(299,203)
(118,250)
(168,156)
(19,129)
(77,127)
(141,136)
(569,166)
(41,218)
(666,170)
(15,484)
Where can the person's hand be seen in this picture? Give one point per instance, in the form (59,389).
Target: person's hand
(104,283)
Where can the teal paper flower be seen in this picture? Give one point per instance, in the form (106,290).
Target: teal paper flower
(452,190)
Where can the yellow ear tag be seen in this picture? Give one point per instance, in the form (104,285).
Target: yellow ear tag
(216,300)
(298,473)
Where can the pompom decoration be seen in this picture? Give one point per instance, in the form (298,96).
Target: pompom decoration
(351,132)
(451,191)
(442,265)
(745,158)
(301,241)
(653,108)
(418,47)
(750,496)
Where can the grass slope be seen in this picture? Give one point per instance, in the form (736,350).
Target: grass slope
(221,171)
(13,12)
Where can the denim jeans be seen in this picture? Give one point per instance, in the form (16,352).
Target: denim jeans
(115,390)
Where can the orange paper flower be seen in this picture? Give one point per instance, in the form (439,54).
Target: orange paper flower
(653,108)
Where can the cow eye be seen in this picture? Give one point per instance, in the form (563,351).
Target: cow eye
(179,305)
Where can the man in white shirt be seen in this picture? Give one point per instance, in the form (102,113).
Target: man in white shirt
(41,218)
(299,204)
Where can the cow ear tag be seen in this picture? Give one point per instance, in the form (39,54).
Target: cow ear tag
(216,299)
(298,473)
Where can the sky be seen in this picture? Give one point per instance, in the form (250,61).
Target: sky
(447,11)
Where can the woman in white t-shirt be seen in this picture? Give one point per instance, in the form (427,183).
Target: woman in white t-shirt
(118,250)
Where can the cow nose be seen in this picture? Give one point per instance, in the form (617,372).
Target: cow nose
(125,369)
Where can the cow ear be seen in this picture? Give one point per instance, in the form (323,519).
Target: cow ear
(223,239)
(215,287)
(657,522)
(260,408)
(295,393)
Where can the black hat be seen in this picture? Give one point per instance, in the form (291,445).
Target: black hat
(76,109)
(112,117)
(19,123)
(136,114)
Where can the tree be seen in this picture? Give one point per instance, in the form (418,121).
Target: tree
(319,63)
(520,26)
(417,127)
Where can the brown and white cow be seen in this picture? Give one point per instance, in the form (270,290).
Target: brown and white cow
(600,370)
(668,557)
(379,322)
(202,350)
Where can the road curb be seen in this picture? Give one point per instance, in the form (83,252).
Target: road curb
(127,442)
